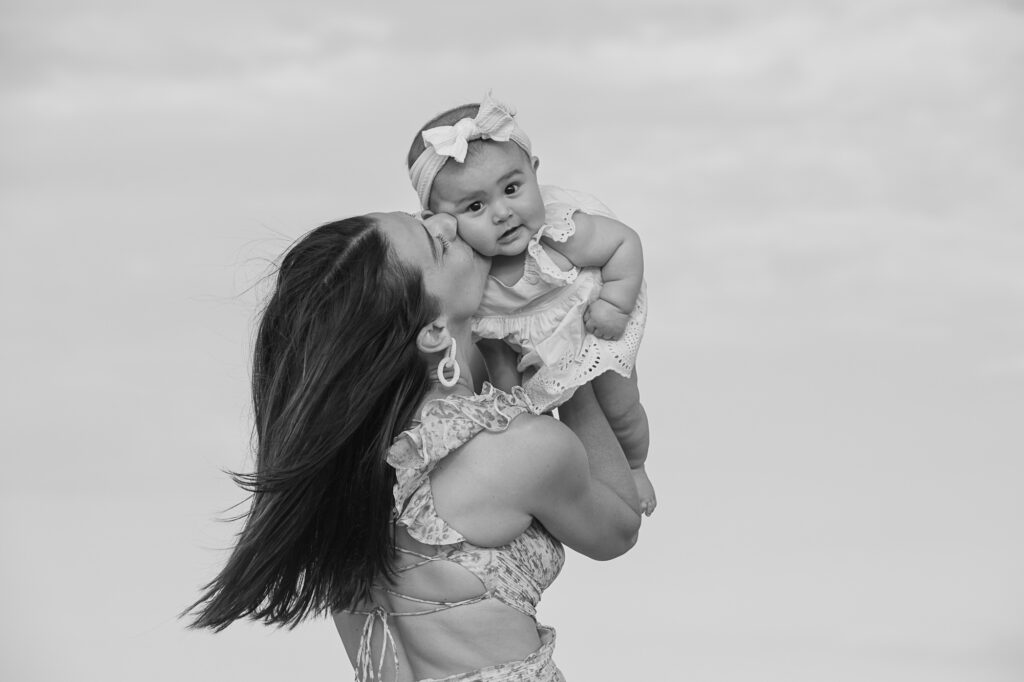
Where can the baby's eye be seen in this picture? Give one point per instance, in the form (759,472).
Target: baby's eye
(512,188)
(474,207)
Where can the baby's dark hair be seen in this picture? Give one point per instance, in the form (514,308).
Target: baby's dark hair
(448,118)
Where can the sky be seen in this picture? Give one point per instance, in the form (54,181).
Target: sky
(828,195)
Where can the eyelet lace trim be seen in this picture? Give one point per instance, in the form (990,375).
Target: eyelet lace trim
(558,230)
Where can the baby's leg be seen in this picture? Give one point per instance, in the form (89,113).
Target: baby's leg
(619,399)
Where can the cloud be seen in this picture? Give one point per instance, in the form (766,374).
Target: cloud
(804,169)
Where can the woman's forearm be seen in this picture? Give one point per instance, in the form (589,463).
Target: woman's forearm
(608,465)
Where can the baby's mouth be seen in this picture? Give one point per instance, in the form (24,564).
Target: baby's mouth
(507,234)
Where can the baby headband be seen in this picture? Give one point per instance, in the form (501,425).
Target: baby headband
(495,121)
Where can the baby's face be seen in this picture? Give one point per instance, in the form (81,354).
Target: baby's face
(494,197)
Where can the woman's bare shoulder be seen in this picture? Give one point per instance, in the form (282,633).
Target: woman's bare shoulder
(488,487)
(532,448)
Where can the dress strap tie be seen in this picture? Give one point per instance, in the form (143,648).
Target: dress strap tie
(364,657)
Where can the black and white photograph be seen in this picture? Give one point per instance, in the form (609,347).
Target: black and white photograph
(537,342)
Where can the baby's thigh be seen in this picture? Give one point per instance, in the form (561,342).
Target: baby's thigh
(617,395)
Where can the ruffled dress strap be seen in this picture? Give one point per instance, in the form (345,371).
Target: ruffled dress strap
(558,227)
(559,206)
(445,424)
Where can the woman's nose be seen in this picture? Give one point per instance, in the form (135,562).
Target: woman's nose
(442,224)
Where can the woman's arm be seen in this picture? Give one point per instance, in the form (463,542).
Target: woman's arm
(583,414)
(588,499)
(579,487)
(614,247)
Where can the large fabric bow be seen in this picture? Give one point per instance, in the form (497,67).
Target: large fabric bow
(494,121)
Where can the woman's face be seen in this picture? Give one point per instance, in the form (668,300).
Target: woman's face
(452,271)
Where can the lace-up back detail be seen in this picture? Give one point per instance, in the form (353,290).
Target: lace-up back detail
(514,574)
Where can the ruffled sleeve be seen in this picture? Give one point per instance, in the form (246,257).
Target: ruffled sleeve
(445,425)
(559,206)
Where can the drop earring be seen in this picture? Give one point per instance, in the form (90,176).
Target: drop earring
(448,361)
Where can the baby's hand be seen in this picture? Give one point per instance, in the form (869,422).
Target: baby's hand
(604,320)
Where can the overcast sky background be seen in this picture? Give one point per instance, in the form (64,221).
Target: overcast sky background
(830,199)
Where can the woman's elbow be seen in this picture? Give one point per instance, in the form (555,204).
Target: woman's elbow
(620,541)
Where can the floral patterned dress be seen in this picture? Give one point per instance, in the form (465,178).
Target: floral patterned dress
(515,574)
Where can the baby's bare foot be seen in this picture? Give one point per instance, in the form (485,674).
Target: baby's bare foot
(648,500)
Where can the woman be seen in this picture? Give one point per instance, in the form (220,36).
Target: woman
(425,517)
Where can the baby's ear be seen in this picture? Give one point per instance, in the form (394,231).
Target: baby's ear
(434,337)
(536,163)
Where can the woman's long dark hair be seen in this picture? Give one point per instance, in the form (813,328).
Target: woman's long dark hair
(336,376)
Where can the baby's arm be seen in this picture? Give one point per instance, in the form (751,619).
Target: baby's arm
(615,248)
(501,363)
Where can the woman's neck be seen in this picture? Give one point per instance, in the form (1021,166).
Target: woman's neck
(466,356)
(464,386)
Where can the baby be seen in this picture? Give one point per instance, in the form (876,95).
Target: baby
(565,302)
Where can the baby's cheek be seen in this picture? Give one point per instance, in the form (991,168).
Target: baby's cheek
(470,232)
(536,210)
(539,216)
(465,228)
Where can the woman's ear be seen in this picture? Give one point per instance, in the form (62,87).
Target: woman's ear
(434,337)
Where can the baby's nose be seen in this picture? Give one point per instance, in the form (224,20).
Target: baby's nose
(501,212)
